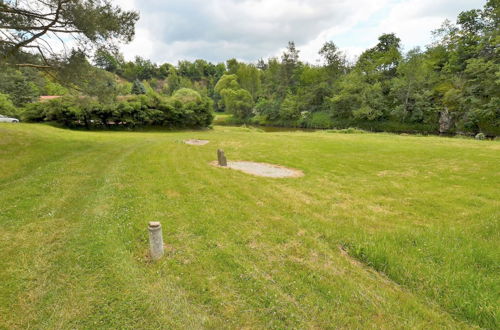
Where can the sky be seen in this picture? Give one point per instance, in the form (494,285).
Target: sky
(217,30)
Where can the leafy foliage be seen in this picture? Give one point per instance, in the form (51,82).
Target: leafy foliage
(239,102)
(28,24)
(7,108)
(451,87)
(138,88)
(129,111)
(235,99)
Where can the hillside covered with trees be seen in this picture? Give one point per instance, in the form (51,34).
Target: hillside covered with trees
(453,86)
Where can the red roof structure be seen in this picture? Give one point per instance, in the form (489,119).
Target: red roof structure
(48,97)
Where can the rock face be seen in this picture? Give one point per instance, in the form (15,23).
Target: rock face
(445,121)
(221,158)
(480,136)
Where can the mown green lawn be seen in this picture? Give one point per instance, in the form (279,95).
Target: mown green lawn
(418,217)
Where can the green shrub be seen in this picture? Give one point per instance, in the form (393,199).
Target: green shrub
(186,95)
(350,130)
(7,108)
(138,88)
(267,110)
(319,120)
(289,109)
(239,102)
(187,109)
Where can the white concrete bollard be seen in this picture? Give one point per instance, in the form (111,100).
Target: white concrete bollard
(155,240)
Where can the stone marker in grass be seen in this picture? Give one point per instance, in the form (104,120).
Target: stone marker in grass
(221,158)
(196,142)
(155,240)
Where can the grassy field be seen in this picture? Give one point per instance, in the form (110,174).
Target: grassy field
(383,231)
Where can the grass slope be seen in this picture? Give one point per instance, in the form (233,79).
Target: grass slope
(419,217)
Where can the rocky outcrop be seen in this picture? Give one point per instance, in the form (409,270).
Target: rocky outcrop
(445,121)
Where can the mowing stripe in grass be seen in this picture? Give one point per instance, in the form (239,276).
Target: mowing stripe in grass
(244,251)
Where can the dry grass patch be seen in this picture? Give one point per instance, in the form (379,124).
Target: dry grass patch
(196,142)
(262,169)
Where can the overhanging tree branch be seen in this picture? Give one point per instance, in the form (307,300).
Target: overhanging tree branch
(46,28)
(34,66)
(31,25)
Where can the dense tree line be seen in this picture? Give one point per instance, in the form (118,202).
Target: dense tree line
(185,108)
(453,86)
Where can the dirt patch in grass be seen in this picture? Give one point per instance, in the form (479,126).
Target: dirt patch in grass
(168,252)
(262,169)
(196,142)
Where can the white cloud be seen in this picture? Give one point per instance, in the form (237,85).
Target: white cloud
(216,30)
(411,20)
(143,44)
(414,20)
(125,4)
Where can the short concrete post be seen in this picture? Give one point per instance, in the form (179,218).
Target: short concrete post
(155,240)
(221,157)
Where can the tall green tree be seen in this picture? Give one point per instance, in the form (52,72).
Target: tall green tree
(249,78)
(138,88)
(239,102)
(235,99)
(383,59)
(289,62)
(7,108)
(19,85)
(335,60)
(29,26)
(111,61)
(411,90)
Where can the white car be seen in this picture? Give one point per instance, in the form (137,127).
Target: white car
(4,119)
